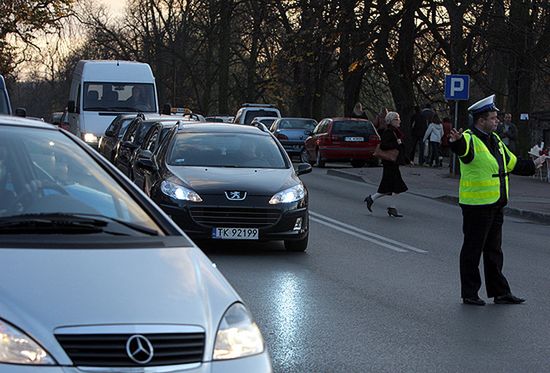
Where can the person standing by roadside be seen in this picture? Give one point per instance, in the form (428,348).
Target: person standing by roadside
(434,134)
(419,125)
(508,132)
(392,183)
(485,163)
(358,112)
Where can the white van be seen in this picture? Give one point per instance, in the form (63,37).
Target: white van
(101,90)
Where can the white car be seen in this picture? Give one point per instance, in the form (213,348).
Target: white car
(247,113)
(95,278)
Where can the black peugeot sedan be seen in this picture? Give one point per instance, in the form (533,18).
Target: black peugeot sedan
(229,182)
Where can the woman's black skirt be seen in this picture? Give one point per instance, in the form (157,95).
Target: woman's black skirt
(391,179)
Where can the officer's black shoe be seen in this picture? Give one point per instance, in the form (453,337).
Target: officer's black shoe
(473,301)
(508,299)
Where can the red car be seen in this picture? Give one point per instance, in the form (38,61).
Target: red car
(342,140)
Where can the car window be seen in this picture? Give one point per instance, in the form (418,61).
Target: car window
(151,141)
(251,114)
(43,171)
(124,127)
(353,127)
(119,97)
(306,124)
(225,150)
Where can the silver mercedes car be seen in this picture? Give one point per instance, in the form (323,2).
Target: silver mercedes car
(95,278)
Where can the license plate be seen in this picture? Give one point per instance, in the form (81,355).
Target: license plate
(355,139)
(235,233)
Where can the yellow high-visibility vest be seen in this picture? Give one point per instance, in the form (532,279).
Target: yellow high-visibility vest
(480,179)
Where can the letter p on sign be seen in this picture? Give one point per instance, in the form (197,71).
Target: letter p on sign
(457,87)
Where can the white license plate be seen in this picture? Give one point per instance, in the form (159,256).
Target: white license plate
(356,139)
(235,233)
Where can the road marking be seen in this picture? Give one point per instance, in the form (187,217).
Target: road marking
(363,234)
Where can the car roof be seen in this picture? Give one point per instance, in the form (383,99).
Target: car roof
(348,119)
(24,122)
(301,118)
(222,127)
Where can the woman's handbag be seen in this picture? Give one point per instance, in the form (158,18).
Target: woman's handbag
(386,155)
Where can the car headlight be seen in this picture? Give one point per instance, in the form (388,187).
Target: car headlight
(179,192)
(238,335)
(18,348)
(293,194)
(90,138)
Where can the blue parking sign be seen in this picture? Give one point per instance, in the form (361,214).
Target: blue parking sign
(457,87)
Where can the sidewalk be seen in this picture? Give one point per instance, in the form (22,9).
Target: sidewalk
(529,196)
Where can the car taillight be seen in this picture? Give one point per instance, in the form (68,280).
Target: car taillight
(281,136)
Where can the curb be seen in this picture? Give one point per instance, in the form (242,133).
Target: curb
(509,211)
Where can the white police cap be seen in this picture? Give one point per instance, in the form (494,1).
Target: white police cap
(484,105)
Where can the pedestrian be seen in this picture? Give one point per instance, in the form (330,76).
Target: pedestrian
(485,163)
(447,126)
(358,112)
(434,134)
(419,125)
(391,184)
(508,132)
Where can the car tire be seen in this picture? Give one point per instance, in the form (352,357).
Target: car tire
(305,158)
(297,245)
(356,163)
(319,161)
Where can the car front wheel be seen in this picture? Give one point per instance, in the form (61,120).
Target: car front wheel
(304,157)
(298,245)
(320,162)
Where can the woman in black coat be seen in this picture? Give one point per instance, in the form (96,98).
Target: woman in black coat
(391,183)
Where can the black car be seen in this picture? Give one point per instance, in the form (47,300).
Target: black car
(132,139)
(108,143)
(230,182)
(151,143)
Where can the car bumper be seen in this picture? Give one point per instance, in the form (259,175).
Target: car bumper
(258,363)
(284,228)
(347,153)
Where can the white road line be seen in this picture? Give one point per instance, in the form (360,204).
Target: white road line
(361,233)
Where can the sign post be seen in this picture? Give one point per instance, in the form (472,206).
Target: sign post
(457,88)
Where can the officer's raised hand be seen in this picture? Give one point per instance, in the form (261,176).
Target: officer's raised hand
(455,135)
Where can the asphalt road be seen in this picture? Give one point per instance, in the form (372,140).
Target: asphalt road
(380,294)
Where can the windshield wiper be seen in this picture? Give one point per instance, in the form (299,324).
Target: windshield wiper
(66,223)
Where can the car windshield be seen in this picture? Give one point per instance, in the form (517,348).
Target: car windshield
(299,124)
(119,97)
(124,126)
(3,102)
(251,114)
(45,173)
(225,150)
(353,127)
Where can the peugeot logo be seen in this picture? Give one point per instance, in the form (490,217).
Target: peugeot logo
(139,349)
(235,195)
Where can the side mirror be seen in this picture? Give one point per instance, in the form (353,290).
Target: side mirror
(71,106)
(146,164)
(129,145)
(21,112)
(109,133)
(303,168)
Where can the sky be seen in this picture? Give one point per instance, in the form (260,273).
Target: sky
(116,6)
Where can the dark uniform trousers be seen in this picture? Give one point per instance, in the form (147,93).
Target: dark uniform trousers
(482,227)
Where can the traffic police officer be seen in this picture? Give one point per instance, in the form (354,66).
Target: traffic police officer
(485,163)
